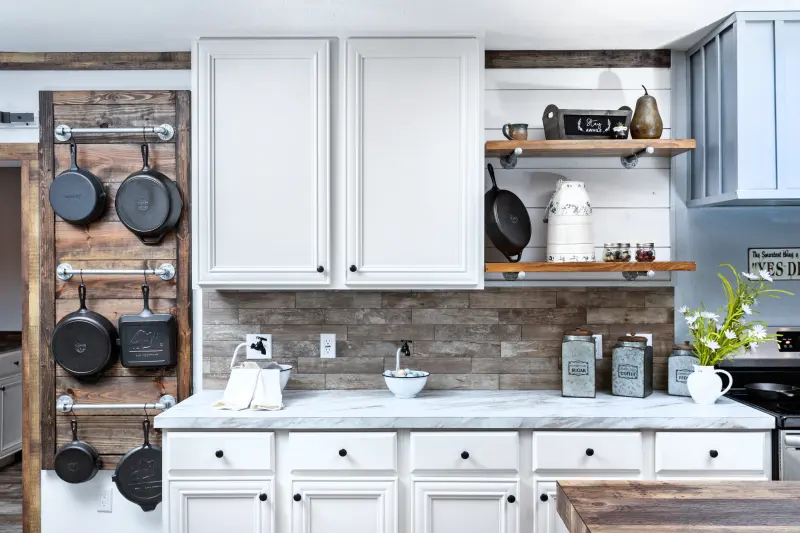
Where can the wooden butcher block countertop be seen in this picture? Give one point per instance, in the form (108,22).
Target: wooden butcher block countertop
(672,507)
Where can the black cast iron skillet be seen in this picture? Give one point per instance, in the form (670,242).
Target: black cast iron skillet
(76,461)
(138,474)
(148,202)
(148,339)
(771,391)
(77,195)
(84,343)
(508,224)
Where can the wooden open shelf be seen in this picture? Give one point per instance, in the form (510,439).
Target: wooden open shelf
(590,148)
(656,266)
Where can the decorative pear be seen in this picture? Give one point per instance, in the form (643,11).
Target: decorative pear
(646,122)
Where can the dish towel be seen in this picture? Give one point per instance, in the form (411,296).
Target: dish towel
(267,395)
(240,388)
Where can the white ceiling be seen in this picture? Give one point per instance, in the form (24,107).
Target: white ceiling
(160,25)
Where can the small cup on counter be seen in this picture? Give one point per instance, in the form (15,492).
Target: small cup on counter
(578,364)
(617,252)
(632,367)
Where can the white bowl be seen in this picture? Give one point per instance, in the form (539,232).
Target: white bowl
(286,373)
(405,387)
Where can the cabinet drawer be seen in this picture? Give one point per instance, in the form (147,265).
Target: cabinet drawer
(684,453)
(584,450)
(221,451)
(342,451)
(464,451)
(11,363)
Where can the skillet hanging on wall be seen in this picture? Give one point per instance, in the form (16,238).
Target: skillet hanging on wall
(148,339)
(148,202)
(76,461)
(77,195)
(138,474)
(508,224)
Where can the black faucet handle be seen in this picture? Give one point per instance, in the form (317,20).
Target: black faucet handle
(405,349)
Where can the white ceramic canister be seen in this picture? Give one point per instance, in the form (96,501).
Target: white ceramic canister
(570,237)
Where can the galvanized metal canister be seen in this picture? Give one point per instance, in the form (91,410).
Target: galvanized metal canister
(632,367)
(578,364)
(680,364)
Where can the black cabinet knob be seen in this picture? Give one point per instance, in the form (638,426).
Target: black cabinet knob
(511,498)
(262,497)
(544,497)
(16,363)
(219,454)
(465,455)
(297,497)
(320,269)
(714,454)
(589,452)
(353,268)
(342,452)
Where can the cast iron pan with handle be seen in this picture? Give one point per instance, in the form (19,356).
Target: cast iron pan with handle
(148,202)
(138,474)
(771,391)
(148,339)
(84,343)
(77,195)
(76,461)
(508,224)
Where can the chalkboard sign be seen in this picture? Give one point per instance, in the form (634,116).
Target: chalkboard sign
(581,124)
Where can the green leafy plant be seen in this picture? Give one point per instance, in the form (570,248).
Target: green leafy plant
(715,339)
(619,125)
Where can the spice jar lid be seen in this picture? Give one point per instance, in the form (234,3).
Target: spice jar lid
(609,244)
(578,332)
(632,338)
(644,244)
(624,244)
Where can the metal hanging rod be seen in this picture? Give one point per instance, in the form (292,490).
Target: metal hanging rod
(165,132)
(65,404)
(64,271)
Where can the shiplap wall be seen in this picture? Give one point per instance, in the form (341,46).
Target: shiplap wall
(629,205)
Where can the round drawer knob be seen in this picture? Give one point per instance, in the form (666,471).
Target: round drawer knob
(353,268)
(589,452)
(511,498)
(714,454)
(297,497)
(219,454)
(544,497)
(262,497)
(320,269)
(342,452)
(465,455)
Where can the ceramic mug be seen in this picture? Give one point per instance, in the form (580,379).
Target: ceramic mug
(515,132)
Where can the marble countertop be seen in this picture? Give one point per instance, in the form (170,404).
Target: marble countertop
(378,409)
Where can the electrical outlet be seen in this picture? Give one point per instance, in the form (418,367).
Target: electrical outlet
(104,505)
(327,345)
(648,336)
(259,346)
(598,346)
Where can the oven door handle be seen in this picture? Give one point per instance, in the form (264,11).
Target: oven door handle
(792,440)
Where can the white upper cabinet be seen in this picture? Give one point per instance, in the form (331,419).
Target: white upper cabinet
(414,163)
(262,170)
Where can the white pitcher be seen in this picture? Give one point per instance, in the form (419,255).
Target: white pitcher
(569,224)
(705,385)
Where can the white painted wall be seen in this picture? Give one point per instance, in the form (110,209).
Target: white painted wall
(73,508)
(11,249)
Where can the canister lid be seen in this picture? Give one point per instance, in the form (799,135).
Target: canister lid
(578,332)
(632,338)
(685,347)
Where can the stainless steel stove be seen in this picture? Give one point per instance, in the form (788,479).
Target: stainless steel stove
(774,363)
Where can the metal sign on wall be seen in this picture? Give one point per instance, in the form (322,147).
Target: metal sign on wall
(784,263)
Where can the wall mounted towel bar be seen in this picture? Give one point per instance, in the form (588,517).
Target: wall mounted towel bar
(165,132)
(65,404)
(64,271)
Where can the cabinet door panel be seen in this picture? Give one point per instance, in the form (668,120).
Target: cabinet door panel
(343,506)
(214,506)
(465,506)
(414,183)
(12,417)
(263,108)
(547,519)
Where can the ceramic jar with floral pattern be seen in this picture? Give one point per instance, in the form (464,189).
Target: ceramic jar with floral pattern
(570,237)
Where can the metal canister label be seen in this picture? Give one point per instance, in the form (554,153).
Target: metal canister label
(682,374)
(578,368)
(628,372)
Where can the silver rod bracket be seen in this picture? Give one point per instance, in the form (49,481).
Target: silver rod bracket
(510,161)
(630,276)
(165,132)
(166,271)
(65,404)
(630,161)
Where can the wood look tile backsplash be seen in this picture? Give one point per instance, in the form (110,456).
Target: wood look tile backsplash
(491,339)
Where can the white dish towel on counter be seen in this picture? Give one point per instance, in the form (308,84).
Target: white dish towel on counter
(250,386)
(268,395)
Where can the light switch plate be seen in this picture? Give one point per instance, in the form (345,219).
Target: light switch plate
(265,340)
(598,346)
(648,336)
(327,345)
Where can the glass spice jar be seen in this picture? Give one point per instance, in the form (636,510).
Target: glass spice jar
(645,252)
(616,252)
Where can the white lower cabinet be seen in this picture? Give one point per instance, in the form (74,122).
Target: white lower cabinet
(465,506)
(344,506)
(545,512)
(211,506)
(11,409)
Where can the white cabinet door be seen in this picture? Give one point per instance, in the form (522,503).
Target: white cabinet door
(262,167)
(466,506)
(11,436)
(414,163)
(244,506)
(546,516)
(344,506)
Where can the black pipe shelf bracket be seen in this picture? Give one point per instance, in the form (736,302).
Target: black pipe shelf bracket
(630,161)
(510,161)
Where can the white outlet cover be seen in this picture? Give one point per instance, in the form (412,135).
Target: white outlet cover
(648,336)
(598,346)
(266,340)
(327,345)
(104,504)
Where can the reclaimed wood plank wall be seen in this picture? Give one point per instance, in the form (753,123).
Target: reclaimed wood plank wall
(108,244)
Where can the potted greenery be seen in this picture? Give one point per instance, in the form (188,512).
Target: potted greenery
(619,131)
(716,339)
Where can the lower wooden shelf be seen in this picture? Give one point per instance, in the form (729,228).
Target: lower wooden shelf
(655,266)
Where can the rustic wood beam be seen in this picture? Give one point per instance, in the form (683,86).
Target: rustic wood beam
(19,151)
(578,59)
(95,61)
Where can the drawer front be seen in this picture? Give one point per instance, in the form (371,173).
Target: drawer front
(464,451)
(585,450)
(342,451)
(11,363)
(684,453)
(237,451)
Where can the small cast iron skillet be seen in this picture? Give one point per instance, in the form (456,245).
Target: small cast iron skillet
(76,461)
(138,474)
(77,195)
(771,391)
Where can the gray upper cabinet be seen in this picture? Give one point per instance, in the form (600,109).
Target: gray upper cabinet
(745,111)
